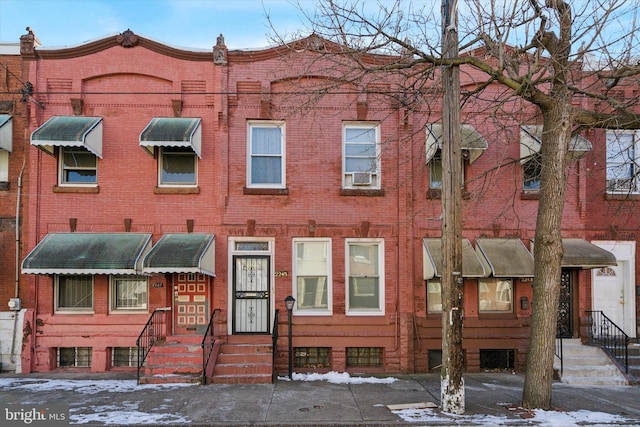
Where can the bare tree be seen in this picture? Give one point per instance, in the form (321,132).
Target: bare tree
(553,54)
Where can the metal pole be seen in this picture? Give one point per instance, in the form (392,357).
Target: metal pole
(290,347)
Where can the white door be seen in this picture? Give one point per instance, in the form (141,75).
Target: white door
(613,288)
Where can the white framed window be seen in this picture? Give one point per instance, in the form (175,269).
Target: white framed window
(623,161)
(124,356)
(4,165)
(434,295)
(74,293)
(435,171)
(129,293)
(495,295)
(266,160)
(74,357)
(361,155)
(364,277)
(77,166)
(178,166)
(532,172)
(312,276)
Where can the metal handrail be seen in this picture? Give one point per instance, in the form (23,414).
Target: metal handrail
(275,345)
(208,342)
(604,333)
(558,352)
(155,330)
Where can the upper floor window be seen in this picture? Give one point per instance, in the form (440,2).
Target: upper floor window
(178,166)
(622,162)
(266,155)
(434,295)
(365,277)
(74,293)
(78,166)
(531,172)
(312,270)
(4,166)
(6,145)
(361,155)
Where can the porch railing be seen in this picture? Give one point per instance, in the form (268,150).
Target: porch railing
(558,351)
(274,350)
(606,334)
(208,343)
(155,330)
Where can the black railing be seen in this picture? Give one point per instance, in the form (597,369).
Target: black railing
(208,342)
(274,350)
(606,334)
(154,331)
(558,352)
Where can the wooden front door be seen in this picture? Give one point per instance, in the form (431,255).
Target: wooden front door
(251,284)
(190,303)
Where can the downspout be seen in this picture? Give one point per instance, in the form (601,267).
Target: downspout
(17,292)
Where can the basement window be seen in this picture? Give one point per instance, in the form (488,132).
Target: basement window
(124,356)
(435,360)
(74,357)
(313,357)
(364,357)
(497,359)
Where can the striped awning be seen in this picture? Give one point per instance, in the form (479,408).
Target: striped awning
(531,140)
(88,253)
(69,131)
(182,253)
(470,140)
(472,265)
(172,132)
(6,132)
(507,257)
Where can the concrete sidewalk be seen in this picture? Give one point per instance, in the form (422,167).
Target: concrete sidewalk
(491,399)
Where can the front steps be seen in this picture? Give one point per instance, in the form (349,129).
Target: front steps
(242,359)
(587,365)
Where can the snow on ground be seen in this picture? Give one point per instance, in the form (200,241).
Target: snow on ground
(80,386)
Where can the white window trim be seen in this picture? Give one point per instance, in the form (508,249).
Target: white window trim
(65,310)
(312,312)
(61,181)
(112,295)
(175,184)
(375,176)
(381,274)
(635,178)
(283,149)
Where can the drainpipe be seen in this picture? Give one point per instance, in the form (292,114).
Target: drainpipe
(17,292)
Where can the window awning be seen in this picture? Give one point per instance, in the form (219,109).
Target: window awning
(6,132)
(470,139)
(507,257)
(531,139)
(579,253)
(88,253)
(69,131)
(472,265)
(182,253)
(172,132)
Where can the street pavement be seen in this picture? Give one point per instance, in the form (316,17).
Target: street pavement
(490,399)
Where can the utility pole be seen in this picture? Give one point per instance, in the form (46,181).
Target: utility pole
(452,383)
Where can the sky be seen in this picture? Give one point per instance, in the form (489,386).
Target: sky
(179,23)
(130,413)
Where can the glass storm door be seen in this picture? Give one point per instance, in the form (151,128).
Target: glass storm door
(251,294)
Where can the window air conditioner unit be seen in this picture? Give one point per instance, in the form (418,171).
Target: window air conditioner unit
(361,178)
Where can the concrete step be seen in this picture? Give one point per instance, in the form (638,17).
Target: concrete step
(177,360)
(587,365)
(244,360)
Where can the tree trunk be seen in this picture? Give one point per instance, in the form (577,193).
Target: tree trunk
(548,255)
(452,396)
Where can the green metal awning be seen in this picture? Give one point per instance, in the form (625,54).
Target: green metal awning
(182,253)
(507,257)
(69,131)
(88,253)
(172,132)
(531,139)
(579,253)
(6,132)
(472,265)
(470,139)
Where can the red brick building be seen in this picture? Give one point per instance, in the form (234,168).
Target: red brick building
(202,182)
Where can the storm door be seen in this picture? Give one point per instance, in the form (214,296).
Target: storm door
(251,276)
(565,306)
